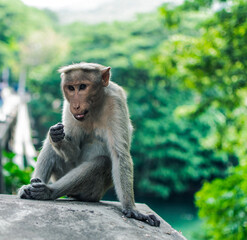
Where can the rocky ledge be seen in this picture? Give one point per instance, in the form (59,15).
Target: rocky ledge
(67,219)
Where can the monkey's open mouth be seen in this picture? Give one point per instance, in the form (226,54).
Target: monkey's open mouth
(80,117)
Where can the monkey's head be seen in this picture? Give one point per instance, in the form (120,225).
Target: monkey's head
(83,87)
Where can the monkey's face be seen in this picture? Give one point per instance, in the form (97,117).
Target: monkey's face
(84,90)
(81,96)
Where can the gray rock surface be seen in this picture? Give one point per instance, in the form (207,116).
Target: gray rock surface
(67,219)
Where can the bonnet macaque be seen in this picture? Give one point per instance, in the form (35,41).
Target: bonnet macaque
(90,150)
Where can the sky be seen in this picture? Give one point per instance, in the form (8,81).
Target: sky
(62,4)
(97,10)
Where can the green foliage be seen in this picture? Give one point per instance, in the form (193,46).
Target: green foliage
(15,177)
(225,200)
(46,103)
(216,69)
(167,149)
(214,65)
(114,44)
(10,11)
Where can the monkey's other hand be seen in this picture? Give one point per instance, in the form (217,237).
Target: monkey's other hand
(38,190)
(150,219)
(57,132)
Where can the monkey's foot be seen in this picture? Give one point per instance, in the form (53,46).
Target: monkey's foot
(36,190)
(24,192)
(150,219)
(39,190)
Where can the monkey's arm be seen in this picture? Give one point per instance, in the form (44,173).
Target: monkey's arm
(122,166)
(62,144)
(43,170)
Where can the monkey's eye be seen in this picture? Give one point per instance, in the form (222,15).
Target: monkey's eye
(82,86)
(71,88)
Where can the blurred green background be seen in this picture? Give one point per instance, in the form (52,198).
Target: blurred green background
(184,68)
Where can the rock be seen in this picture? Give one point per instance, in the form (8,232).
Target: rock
(68,219)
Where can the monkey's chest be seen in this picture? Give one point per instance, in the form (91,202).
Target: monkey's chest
(91,147)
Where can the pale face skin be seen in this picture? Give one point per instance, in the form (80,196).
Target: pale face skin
(77,94)
(83,93)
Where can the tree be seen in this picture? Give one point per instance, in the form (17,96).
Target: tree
(214,65)
(167,149)
(10,34)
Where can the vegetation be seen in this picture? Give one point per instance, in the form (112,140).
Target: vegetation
(14,177)
(214,66)
(184,70)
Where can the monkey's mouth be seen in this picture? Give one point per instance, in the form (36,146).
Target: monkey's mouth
(81,117)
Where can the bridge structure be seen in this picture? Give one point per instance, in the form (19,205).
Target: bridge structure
(15,130)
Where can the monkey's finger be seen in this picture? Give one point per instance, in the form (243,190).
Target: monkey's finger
(57,138)
(37,195)
(37,185)
(56,129)
(27,191)
(58,126)
(35,180)
(57,132)
(156,220)
(127,213)
(26,194)
(137,215)
(33,190)
(149,220)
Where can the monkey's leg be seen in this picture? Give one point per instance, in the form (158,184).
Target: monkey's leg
(43,170)
(96,184)
(88,182)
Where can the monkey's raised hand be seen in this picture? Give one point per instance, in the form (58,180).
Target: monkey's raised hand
(56,132)
(150,219)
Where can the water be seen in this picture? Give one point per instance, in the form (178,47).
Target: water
(180,214)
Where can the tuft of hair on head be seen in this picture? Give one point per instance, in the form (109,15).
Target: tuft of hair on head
(81,66)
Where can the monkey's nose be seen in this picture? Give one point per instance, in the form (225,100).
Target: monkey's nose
(76,107)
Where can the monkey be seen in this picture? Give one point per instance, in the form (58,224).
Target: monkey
(88,152)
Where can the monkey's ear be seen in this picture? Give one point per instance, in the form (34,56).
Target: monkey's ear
(105,76)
